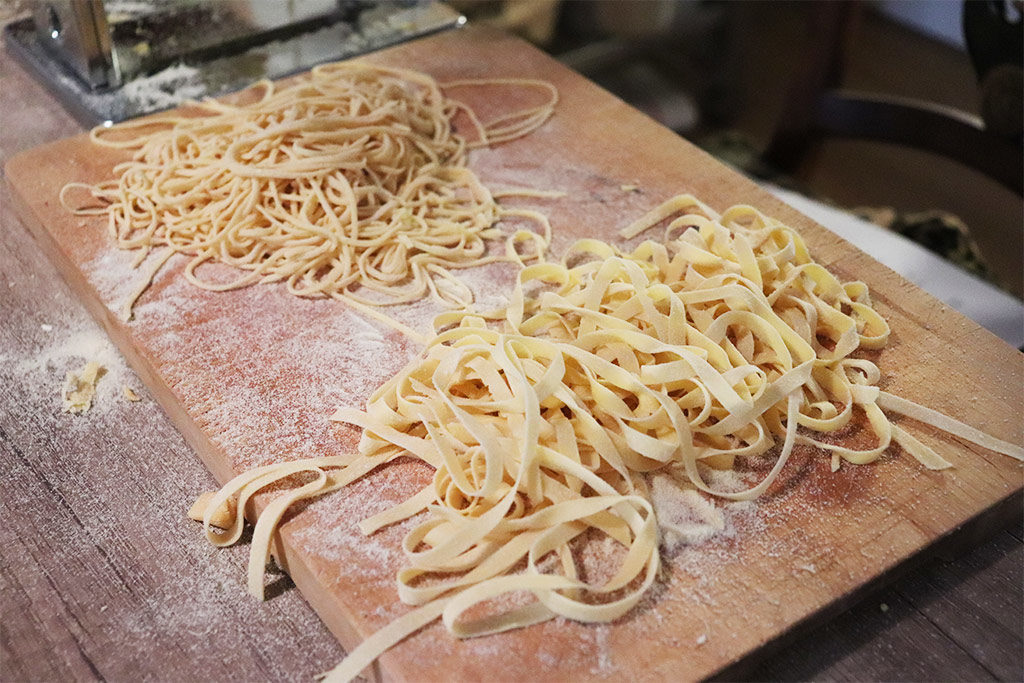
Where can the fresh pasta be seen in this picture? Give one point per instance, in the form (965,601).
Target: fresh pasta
(351,184)
(725,339)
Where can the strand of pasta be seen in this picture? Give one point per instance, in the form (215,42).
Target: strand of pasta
(350,184)
(514,124)
(726,340)
(129,303)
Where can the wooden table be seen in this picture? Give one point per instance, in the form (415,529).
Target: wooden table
(99,581)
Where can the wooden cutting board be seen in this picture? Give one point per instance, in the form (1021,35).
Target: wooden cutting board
(251,376)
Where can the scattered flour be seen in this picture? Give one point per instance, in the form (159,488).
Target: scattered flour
(604,664)
(688,517)
(165,89)
(63,352)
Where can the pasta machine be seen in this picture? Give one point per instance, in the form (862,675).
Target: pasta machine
(110,60)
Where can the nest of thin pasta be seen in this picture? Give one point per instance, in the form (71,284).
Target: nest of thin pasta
(351,183)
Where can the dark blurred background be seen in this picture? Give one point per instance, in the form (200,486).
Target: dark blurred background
(728,76)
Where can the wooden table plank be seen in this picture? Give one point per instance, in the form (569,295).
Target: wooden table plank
(981,594)
(89,502)
(910,638)
(102,575)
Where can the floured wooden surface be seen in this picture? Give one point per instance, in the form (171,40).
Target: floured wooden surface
(251,376)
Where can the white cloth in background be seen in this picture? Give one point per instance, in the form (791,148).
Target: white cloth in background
(985,304)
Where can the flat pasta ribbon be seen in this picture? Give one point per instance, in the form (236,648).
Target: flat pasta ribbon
(726,340)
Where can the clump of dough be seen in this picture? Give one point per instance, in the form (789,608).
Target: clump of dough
(80,387)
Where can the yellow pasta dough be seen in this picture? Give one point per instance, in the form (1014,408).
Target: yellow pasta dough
(725,339)
(80,388)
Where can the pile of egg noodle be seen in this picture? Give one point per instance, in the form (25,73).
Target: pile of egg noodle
(725,339)
(350,183)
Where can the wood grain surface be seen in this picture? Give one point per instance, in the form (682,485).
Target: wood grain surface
(98,527)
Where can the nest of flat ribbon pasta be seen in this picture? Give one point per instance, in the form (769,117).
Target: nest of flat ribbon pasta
(726,339)
(351,183)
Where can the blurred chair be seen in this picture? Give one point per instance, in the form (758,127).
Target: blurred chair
(818,108)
